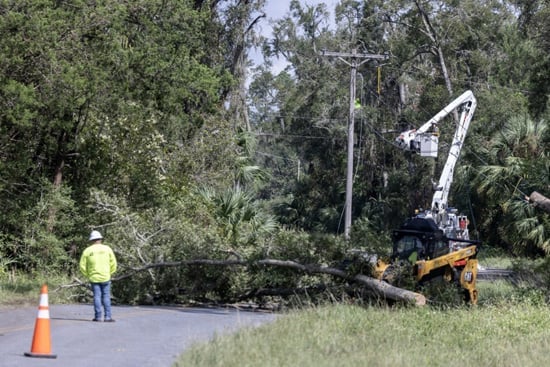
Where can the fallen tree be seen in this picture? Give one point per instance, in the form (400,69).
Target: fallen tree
(380,288)
(540,201)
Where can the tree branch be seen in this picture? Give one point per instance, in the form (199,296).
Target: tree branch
(539,201)
(379,287)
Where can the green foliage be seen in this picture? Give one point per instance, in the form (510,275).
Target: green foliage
(238,216)
(156,236)
(367,236)
(443,295)
(22,288)
(103,94)
(5,262)
(113,98)
(526,286)
(130,117)
(533,23)
(519,164)
(41,238)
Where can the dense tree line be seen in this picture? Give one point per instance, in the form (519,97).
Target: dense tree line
(134,118)
(438,49)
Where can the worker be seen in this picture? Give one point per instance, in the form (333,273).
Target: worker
(418,250)
(97,264)
(413,257)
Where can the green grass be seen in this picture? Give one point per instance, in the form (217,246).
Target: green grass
(23,290)
(510,326)
(496,262)
(494,258)
(347,335)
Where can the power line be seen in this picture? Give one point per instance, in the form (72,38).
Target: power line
(492,86)
(380,135)
(277,135)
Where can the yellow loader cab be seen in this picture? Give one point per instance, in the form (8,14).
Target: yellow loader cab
(433,256)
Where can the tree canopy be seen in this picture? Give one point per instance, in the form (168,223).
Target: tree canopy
(148,121)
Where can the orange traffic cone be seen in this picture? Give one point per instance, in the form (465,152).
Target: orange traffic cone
(41,343)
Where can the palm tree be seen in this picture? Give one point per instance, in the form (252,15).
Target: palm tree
(239,218)
(520,166)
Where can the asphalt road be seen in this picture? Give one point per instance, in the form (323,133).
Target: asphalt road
(141,336)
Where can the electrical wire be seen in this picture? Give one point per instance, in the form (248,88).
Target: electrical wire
(380,135)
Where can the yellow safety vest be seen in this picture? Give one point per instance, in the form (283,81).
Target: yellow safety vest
(98,263)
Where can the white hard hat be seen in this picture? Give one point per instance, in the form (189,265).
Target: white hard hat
(95,235)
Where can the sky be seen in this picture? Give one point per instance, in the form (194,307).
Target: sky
(276,9)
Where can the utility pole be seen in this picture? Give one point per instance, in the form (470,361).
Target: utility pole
(356,59)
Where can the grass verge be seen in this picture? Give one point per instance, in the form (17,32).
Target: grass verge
(22,290)
(509,327)
(344,335)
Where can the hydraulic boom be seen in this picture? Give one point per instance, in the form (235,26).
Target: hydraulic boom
(424,141)
(436,241)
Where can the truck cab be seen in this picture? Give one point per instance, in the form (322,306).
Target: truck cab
(420,236)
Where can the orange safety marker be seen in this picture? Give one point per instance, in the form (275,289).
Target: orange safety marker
(41,342)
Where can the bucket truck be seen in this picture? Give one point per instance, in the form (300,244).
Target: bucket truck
(436,241)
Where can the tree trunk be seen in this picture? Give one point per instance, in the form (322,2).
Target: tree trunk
(540,201)
(432,34)
(238,69)
(58,178)
(381,288)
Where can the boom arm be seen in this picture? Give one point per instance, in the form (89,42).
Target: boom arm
(425,138)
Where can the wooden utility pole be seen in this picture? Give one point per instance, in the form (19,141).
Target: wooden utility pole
(356,59)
